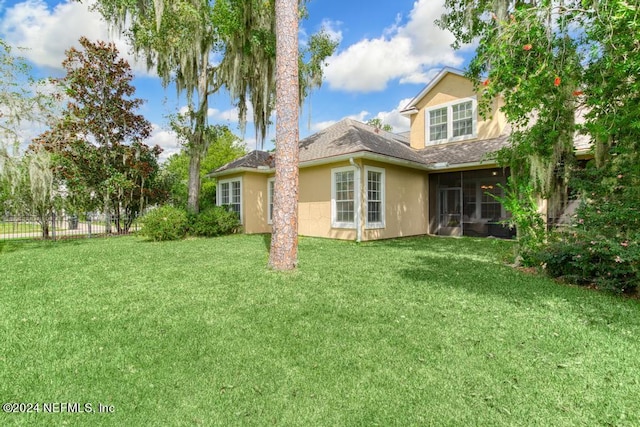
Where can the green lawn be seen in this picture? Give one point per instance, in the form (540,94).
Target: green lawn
(423,331)
(19,227)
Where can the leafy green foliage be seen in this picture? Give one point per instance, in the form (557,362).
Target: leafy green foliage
(377,123)
(165,223)
(603,245)
(223,148)
(519,199)
(549,61)
(178,38)
(215,221)
(97,146)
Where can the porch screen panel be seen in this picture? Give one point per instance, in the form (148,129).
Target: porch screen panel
(491,208)
(345,203)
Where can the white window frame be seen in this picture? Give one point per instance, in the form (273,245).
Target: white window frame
(356,196)
(383,191)
(449,107)
(219,193)
(270,181)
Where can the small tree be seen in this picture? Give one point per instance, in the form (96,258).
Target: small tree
(36,189)
(378,124)
(20,101)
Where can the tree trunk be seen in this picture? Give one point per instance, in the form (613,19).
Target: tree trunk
(284,241)
(194,181)
(198,144)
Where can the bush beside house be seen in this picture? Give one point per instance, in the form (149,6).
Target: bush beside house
(172,223)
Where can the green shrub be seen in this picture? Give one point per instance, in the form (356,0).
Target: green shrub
(165,223)
(215,221)
(608,263)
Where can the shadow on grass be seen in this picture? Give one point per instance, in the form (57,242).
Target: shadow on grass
(14,245)
(470,273)
(266,238)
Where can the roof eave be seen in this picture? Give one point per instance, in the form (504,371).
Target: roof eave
(328,160)
(240,170)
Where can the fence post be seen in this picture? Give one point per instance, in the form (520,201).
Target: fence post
(53,226)
(89,224)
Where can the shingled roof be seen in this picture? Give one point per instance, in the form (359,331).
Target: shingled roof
(459,153)
(350,136)
(253,160)
(341,139)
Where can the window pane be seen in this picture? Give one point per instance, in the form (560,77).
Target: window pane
(462,119)
(344,182)
(271,189)
(224,193)
(235,192)
(374,196)
(438,124)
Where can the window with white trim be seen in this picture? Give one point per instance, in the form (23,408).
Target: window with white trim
(271,183)
(455,121)
(229,193)
(344,188)
(438,124)
(375,197)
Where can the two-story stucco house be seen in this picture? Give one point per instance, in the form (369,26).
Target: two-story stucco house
(360,183)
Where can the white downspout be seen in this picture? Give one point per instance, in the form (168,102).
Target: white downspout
(358,200)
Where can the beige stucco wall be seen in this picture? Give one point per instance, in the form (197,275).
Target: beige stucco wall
(255,203)
(314,204)
(406,203)
(451,88)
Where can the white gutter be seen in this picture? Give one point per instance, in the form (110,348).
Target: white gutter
(358,199)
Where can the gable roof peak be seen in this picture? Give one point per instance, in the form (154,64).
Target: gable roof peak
(411,107)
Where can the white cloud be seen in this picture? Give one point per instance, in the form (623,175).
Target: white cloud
(361,117)
(166,139)
(401,52)
(394,118)
(332,29)
(230,115)
(47,33)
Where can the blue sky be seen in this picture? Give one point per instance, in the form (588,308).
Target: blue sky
(388,51)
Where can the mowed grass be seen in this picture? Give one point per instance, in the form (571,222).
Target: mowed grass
(421,331)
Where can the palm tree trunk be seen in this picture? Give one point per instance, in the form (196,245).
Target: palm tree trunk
(284,241)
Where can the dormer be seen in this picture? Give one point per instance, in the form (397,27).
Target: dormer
(446,111)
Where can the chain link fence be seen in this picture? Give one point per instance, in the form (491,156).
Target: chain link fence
(65,226)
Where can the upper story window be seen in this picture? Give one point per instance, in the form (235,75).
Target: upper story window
(229,193)
(454,121)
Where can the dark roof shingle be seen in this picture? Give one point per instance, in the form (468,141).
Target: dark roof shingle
(458,153)
(350,137)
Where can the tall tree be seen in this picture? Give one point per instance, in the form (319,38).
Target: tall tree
(178,37)
(20,101)
(100,111)
(284,239)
